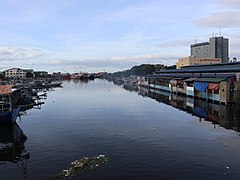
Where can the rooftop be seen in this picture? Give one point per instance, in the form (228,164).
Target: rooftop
(199,44)
(233,67)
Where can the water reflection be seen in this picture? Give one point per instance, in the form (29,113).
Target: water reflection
(81,81)
(12,147)
(225,116)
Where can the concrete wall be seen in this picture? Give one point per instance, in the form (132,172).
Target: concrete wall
(190,91)
(223,90)
(237,90)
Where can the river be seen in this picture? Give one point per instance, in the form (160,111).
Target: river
(144,137)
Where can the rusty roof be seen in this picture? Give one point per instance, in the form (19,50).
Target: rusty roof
(5,89)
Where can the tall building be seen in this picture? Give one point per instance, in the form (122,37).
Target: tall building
(200,50)
(217,47)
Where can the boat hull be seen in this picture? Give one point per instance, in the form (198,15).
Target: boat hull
(9,117)
(12,140)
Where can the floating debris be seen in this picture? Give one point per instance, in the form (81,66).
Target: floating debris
(83,164)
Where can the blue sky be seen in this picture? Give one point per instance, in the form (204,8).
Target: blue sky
(98,35)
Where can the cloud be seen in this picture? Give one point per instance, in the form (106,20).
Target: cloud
(17,53)
(234,45)
(222,19)
(141,58)
(27,58)
(37,58)
(116,62)
(175,43)
(11,1)
(83,65)
(230,3)
(132,12)
(146,59)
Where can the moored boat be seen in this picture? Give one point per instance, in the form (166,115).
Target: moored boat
(8,110)
(55,84)
(9,117)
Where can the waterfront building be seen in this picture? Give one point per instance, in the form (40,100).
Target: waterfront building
(222,90)
(213,50)
(186,61)
(217,47)
(17,72)
(218,83)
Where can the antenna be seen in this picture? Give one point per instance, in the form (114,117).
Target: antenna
(220,33)
(195,40)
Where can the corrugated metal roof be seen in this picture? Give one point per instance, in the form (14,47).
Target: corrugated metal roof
(5,89)
(210,79)
(212,65)
(195,75)
(190,79)
(162,77)
(178,78)
(232,68)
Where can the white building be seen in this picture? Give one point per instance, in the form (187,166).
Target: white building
(17,72)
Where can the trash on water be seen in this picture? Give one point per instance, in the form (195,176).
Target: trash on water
(78,166)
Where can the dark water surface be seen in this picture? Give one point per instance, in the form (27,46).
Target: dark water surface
(143,138)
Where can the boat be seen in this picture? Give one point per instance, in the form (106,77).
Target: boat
(55,84)
(83,75)
(9,117)
(66,76)
(8,109)
(75,76)
(91,76)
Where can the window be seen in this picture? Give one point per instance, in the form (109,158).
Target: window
(216,91)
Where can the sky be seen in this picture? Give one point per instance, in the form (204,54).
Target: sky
(110,35)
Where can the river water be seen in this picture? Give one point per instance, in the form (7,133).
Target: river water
(143,137)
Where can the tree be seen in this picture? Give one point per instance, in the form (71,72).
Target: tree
(29,74)
(2,76)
